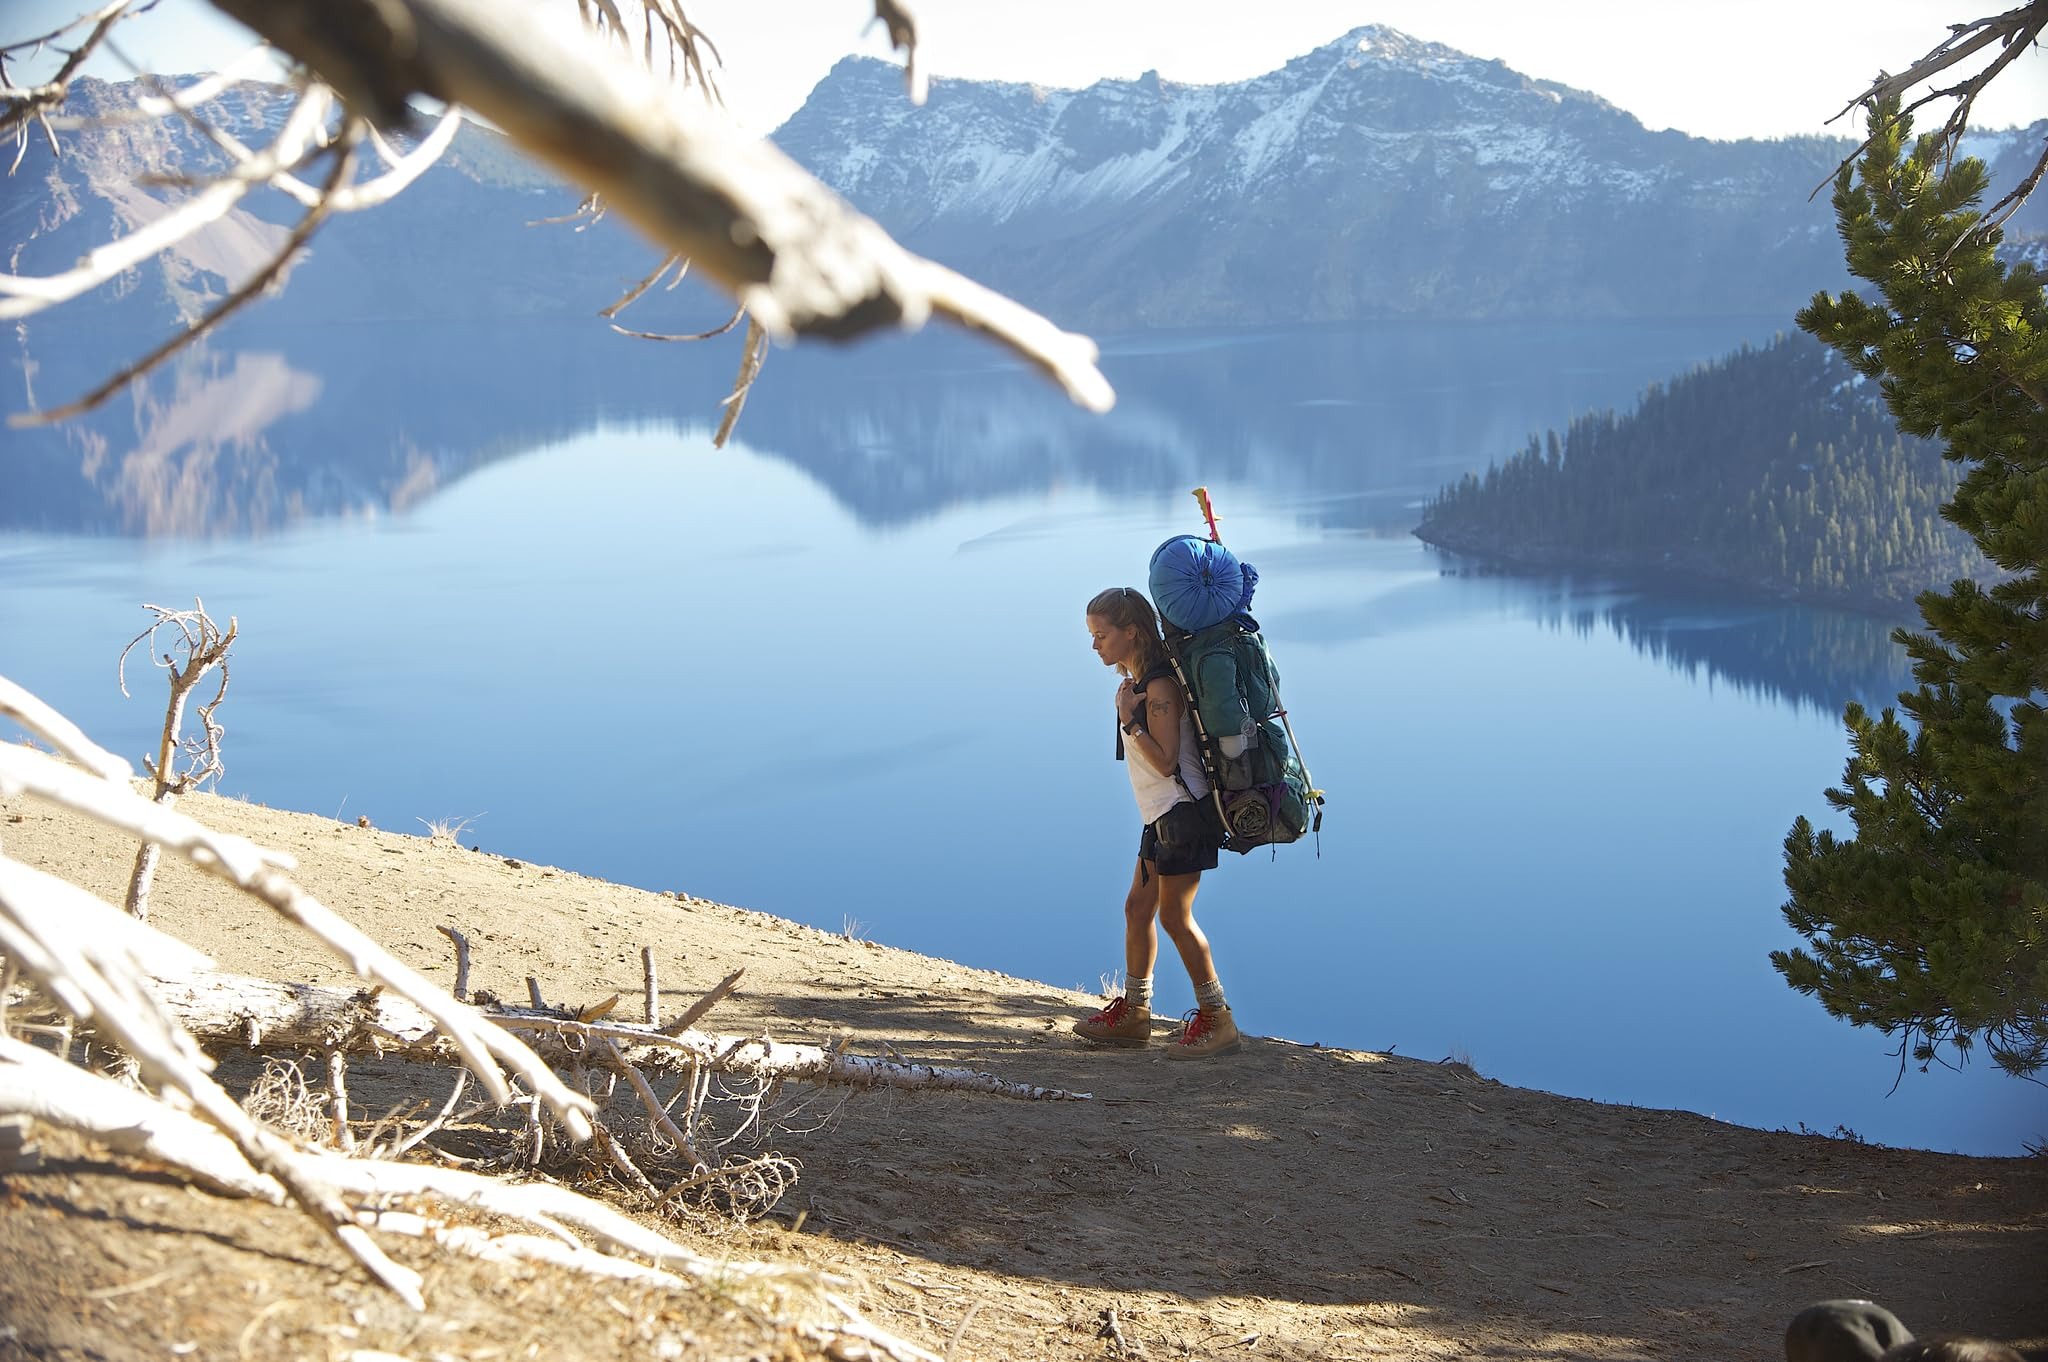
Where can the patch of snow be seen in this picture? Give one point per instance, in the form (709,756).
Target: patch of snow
(1985,146)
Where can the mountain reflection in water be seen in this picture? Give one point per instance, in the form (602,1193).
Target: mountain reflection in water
(367,418)
(1358,424)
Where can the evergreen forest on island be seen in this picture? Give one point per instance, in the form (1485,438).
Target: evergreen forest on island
(1775,468)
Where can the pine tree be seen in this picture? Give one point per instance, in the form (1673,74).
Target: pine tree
(1931,922)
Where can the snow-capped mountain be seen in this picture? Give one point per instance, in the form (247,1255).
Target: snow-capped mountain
(1378,176)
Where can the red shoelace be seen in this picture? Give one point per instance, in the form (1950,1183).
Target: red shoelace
(1111,1015)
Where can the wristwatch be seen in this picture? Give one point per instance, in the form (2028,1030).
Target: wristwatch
(1134,728)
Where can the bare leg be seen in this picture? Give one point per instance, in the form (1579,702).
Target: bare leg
(1141,907)
(1176,909)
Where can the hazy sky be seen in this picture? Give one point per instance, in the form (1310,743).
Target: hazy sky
(1713,68)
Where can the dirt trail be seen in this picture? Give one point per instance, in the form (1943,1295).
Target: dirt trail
(1288,1202)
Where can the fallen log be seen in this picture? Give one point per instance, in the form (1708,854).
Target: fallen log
(768,1059)
(220,1008)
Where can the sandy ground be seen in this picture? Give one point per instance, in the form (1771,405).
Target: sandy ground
(1287,1202)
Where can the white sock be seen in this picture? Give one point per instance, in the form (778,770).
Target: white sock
(1138,992)
(1209,996)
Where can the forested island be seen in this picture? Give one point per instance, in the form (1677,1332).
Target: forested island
(1776,469)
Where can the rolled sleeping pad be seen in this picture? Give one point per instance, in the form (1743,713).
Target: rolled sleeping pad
(1195,582)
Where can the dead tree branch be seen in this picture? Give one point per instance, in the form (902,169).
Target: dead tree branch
(205,648)
(18,106)
(902,30)
(461,942)
(694,1013)
(2015,31)
(753,351)
(716,331)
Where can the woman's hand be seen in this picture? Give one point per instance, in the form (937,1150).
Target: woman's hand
(1130,703)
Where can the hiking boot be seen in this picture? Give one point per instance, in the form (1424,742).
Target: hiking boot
(1117,1024)
(1205,1033)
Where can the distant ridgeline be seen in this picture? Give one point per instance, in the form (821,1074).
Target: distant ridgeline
(1776,469)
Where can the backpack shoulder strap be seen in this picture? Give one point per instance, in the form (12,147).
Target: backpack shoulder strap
(1163,671)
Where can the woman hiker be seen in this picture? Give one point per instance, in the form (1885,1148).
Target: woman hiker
(1177,845)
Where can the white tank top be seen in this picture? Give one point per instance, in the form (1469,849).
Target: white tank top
(1156,793)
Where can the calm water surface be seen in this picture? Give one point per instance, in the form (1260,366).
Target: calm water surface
(838,671)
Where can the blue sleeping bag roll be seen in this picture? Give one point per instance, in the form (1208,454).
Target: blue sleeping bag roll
(1196,582)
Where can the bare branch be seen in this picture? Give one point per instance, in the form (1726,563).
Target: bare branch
(2018,30)
(608,1054)
(684,38)
(404,1146)
(894,16)
(461,989)
(38,1084)
(23,104)
(589,211)
(730,323)
(337,1091)
(694,1013)
(631,295)
(752,352)
(400,172)
(206,647)
(1963,41)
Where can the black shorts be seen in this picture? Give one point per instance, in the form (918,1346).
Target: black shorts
(1182,841)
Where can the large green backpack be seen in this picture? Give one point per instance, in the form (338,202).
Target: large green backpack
(1259,788)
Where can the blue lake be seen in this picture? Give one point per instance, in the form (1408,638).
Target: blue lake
(838,670)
